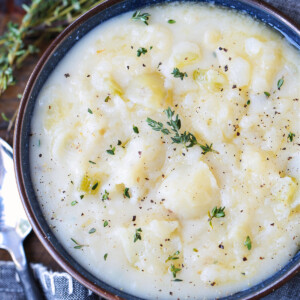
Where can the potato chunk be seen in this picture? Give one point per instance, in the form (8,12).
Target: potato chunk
(239,72)
(285,189)
(148,90)
(150,252)
(189,190)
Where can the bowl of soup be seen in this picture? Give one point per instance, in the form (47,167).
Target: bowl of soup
(157,149)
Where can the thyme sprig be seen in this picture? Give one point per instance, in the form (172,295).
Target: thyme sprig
(77,245)
(42,19)
(215,213)
(174,270)
(187,139)
(174,256)
(142,17)
(177,74)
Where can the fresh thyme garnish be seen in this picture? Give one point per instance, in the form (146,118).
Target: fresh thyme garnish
(173,257)
(119,143)
(90,111)
(92,230)
(267,94)
(95,186)
(111,151)
(105,256)
(291,136)
(187,139)
(74,202)
(81,196)
(248,243)
(141,51)
(280,83)
(78,246)
(92,162)
(216,213)
(177,280)
(195,249)
(42,20)
(171,21)
(248,102)
(174,270)
(105,195)
(126,193)
(137,235)
(177,74)
(157,126)
(135,129)
(107,99)
(105,223)
(143,17)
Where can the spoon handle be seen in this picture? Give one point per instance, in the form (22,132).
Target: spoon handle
(31,289)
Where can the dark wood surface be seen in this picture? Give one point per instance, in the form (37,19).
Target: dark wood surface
(9,102)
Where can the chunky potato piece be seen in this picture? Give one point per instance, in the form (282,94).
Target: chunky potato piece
(284,189)
(212,80)
(185,53)
(189,190)
(148,90)
(239,72)
(252,46)
(151,251)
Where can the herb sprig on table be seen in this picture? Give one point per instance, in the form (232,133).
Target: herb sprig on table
(42,20)
(187,139)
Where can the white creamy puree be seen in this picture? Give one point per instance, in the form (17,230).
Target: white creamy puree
(91,140)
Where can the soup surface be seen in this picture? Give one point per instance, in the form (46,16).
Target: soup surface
(165,152)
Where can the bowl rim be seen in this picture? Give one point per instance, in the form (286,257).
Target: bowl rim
(17,146)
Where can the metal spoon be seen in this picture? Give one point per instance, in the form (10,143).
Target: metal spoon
(14,225)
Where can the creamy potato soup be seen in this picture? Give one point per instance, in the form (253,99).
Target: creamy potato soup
(165,152)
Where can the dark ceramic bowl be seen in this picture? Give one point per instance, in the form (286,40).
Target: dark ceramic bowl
(56,51)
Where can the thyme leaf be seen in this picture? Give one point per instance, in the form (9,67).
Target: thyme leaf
(141,51)
(174,270)
(216,213)
(105,195)
(78,246)
(142,17)
(135,129)
(137,236)
(177,74)
(174,256)
(112,150)
(92,230)
(248,243)
(157,126)
(291,136)
(280,83)
(126,193)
